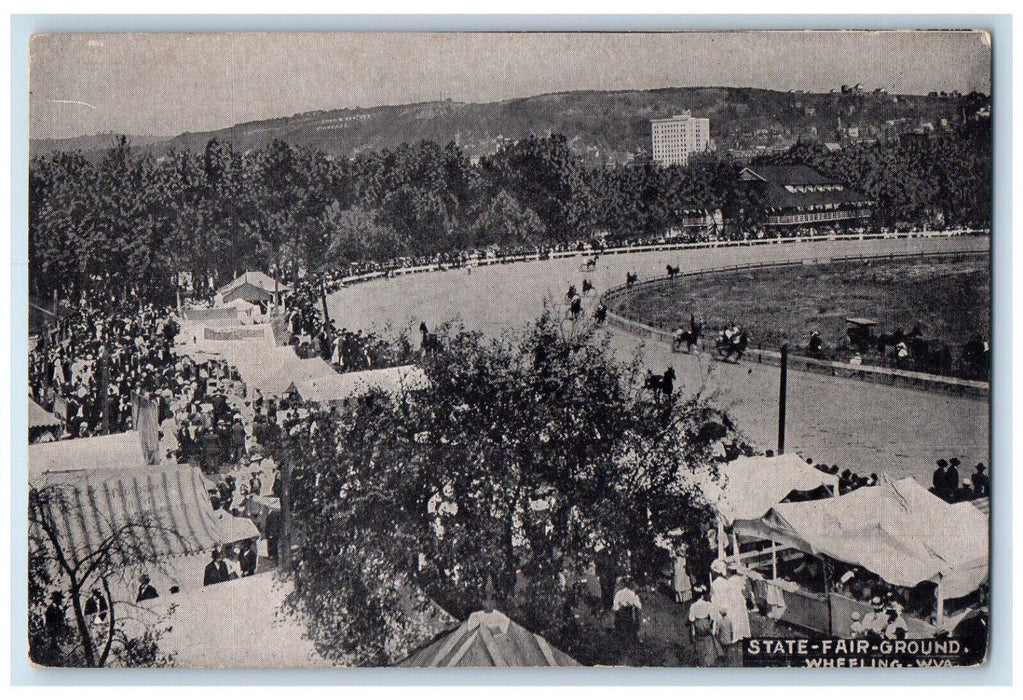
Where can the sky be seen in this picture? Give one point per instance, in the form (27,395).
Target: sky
(166,84)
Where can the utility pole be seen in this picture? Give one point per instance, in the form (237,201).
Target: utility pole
(781,397)
(284,537)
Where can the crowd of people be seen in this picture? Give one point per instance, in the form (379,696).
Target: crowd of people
(946,485)
(92,362)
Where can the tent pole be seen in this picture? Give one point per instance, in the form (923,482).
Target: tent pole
(735,546)
(940,616)
(774,560)
(721,539)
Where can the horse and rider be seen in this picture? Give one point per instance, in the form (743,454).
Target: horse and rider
(429,343)
(687,336)
(815,346)
(630,279)
(600,314)
(731,342)
(660,384)
(575,307)
(673,271)
(587,286)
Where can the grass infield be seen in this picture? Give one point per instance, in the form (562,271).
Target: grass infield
(949,299)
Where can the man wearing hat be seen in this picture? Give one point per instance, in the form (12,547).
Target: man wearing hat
(938,480)
(952,480)
(981,482)
(216,570)
(146,589)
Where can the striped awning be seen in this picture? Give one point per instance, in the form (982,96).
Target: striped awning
(159,512)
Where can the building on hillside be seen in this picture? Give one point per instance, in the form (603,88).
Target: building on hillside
(799,196)
(675,138)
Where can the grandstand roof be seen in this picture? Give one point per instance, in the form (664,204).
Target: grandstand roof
(795,186)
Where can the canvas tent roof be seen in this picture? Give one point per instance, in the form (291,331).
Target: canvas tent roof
(898,530)
(248,292)
(39,417)
(346,385)
(220,316)
(241,306)
(101,452)
(489,639)
(279,378)
(256,279)
(89,505)
(237,624)
(748,487)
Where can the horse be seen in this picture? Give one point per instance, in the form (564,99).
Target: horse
(815,346)
(975,360)
(690,337)
(590,264)
(600,315)
(736,345)
(430,343)
(587,286)
(630,279)
(673,272)
(572,293)
(575,308)
(660,384)
(930,356)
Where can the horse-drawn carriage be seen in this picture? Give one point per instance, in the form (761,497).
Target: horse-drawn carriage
(731,343)
(860,334)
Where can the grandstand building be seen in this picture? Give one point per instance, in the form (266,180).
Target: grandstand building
(798,195)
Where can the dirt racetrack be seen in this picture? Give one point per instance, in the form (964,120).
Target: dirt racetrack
(861,426)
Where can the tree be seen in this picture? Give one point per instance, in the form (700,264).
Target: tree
(523,457)
(356,236)
(129,633)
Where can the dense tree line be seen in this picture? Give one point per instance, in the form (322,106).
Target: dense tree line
(130,224)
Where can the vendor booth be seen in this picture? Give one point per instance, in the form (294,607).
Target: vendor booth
(816,562)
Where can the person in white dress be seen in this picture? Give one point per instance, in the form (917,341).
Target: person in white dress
(728,592)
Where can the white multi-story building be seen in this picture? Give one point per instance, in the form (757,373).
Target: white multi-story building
(675,138)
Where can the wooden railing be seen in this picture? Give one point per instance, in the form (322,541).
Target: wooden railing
(667,245)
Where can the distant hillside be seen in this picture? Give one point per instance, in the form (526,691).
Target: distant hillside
(604,126)
(95,142)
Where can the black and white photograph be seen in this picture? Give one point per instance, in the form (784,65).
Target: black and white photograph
(509,349)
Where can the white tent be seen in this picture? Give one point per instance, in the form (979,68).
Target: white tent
(748,487)
(280,377)
(347,385)
(101,452)
(237,624)
(39,417)
(247,312)
(898,530)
